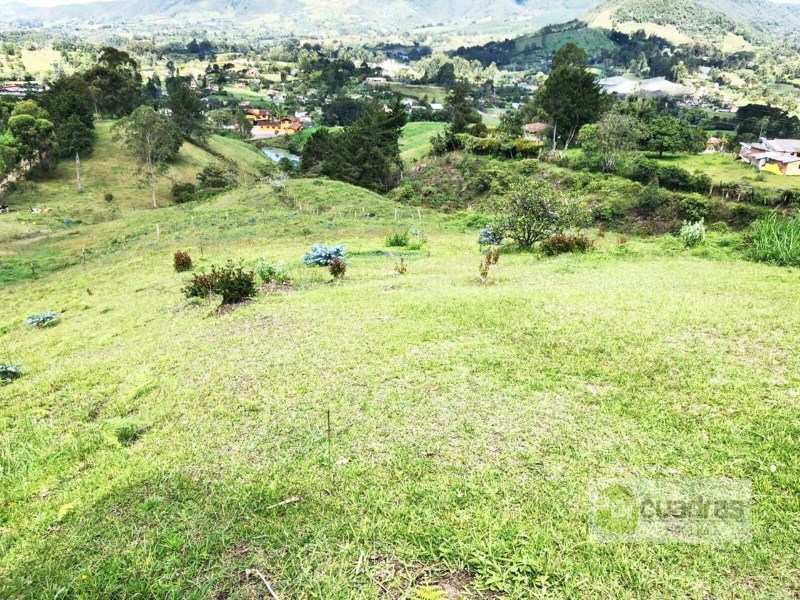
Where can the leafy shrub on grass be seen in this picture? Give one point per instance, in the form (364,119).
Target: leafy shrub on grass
(411,238)
(183,192)
(123,430)
(401,268)
(323,256)
(338,268)
(214,177)
(9,373)
(563,243)
(108,197)
(272,272)
(776,240)
(493,256)
(201,285)
(693,234)
(233,283)
(42,319)
(182,261)
(397,239)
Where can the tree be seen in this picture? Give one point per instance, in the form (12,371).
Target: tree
(571,98)
(243,124)
(69,96)
(31,108)
(680,72)
(571,55)
(460,109)
(115,83)
(187,112)
(152,140)
(342,112)
(33,139)
(532,211)
(668,134)
(614,135)
(75,137)
(511,124)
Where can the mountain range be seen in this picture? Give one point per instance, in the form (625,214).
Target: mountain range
(740,21)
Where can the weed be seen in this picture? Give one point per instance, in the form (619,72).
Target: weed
(563,243)
(272,273)
(776,240)
(125,431)
(693,234)
(401,268)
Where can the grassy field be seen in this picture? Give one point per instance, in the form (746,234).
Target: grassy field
(359,439)
(432,93)
(415,144)
(725,169)
(36,243)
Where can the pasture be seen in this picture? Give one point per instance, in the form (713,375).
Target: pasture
(363,438)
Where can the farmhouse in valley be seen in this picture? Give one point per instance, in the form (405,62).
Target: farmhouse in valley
(264,125)
(781,157)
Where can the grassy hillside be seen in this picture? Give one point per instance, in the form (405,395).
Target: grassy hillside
(415,144)
(362,438)
(35,243)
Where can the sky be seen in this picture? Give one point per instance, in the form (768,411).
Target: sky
(46,2)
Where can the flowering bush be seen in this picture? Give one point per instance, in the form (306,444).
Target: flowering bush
(693,234)
(42,319)
(323,256)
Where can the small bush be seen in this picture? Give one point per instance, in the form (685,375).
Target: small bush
(323,256)
(397,239)
(214,177)
(108,197)
(491,235)
(416,239)
(401,268)
(483,268)
(201,285)
(9,373)
(338,268)
(182,262)
(693,234)
(42,319)
(234,284)
(493,255)
(183,192)
(776,240)
(272,273)
(563,243)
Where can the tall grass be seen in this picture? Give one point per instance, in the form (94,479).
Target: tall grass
(776,240)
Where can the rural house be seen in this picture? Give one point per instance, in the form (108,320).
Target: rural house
(781,157)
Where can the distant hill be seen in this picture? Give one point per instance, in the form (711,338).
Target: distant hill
(730,22)
(307,15)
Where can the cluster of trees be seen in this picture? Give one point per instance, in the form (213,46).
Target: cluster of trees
(366,154)
(59,124)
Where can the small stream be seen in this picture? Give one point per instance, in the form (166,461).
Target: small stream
(276,154)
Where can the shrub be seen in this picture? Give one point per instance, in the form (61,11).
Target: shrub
(694,207)
(397,239)
(651,198)
(491,235)
(108,197)
(776,240)
(338,268)
(693,234)
(483,268)
(201,285)
(234,284)
(641,169)
(272,273)
(533,211)
(182,262)
(563,243)
(214,177)
(183,192)
(401,268)
(9,373)
(42,319)
(411,238)
(323,256)
(674,178)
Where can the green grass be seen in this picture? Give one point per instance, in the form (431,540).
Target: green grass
(247,158)
(415,143)
(433,93)
(154,448)
(724,169)
(776,240)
